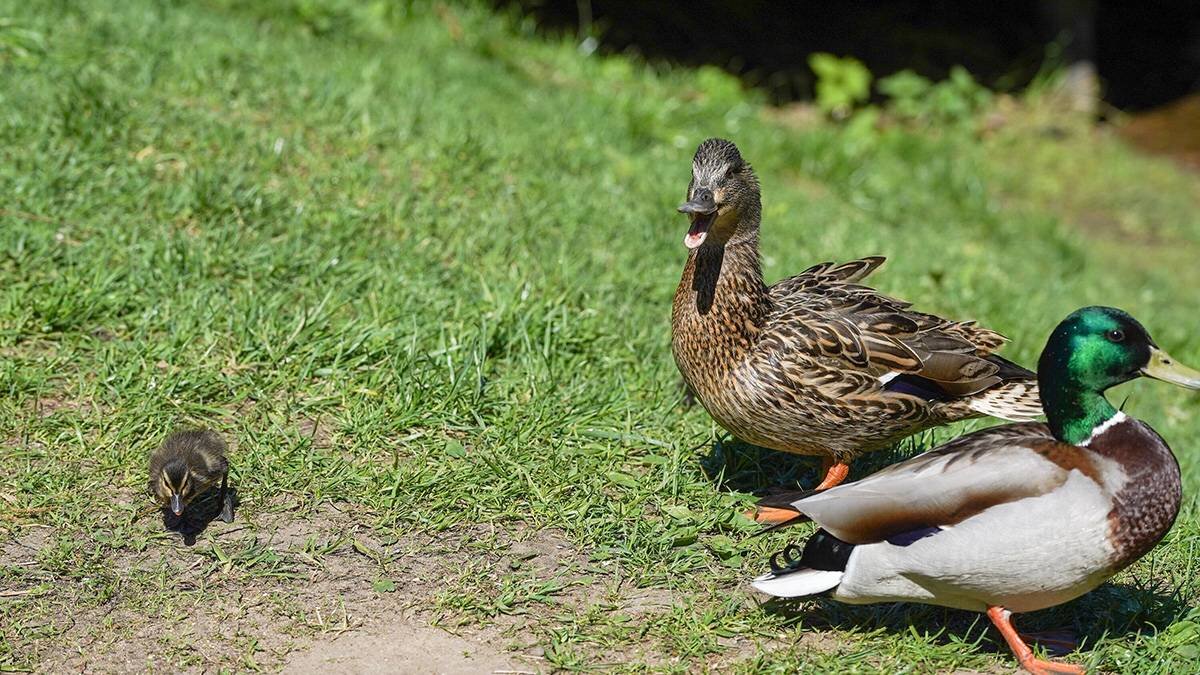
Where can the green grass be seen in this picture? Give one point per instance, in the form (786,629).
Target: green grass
(416,263)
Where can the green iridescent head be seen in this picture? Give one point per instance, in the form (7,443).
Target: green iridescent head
(1091,350)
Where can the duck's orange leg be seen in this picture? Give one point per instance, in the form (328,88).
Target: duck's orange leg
(1002,619)
(835,472)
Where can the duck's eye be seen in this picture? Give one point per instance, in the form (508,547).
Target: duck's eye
(1115,335)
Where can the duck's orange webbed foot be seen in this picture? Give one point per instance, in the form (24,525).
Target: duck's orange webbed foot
(1002,619)
(769,515)
(835,472)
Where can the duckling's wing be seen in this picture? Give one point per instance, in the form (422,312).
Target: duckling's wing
(949,484)
(216,464)
(826,315)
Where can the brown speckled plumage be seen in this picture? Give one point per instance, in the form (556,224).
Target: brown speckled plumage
(797,366)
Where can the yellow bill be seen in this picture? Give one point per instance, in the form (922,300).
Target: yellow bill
(1163,367)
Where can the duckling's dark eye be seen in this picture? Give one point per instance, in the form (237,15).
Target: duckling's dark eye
(1115,335)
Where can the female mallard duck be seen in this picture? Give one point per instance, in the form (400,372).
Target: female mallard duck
(186,466)
(818,364)
(1014,518)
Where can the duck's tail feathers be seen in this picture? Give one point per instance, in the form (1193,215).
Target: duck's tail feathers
(797,583)
(815,568)
(1015,401)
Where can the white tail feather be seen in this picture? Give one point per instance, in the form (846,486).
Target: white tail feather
(1015,402)
(798,583)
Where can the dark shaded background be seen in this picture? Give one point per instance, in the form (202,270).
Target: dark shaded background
(1145,53)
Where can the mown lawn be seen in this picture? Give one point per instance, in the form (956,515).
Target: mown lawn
(416,264)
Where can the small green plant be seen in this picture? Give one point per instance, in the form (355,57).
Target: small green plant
(955,100)
(842,83)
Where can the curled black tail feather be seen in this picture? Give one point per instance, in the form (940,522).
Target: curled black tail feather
(791,555)
(822,551)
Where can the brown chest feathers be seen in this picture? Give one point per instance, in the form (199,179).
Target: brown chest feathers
(1146,505)
(718,313)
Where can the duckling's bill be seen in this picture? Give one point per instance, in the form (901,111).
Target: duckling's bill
(176,504)
(1163,367)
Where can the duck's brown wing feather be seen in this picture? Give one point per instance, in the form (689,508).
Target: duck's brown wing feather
(825,313)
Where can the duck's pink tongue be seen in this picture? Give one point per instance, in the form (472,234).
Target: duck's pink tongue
(694,239)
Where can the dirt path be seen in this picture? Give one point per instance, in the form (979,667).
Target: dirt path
(403,648)
(308,604)
(1172,130)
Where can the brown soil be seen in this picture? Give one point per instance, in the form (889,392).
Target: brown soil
(403,647)
(1172,130)
(321,613)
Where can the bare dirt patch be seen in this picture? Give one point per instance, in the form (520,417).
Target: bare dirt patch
(249,592)
(322,590)
(304,590)
(403,647)
(1172,130)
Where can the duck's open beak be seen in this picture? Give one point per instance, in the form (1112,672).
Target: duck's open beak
(1163,367)
(702,209)
(176,504)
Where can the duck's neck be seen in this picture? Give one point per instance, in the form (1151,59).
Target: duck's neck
(726,280)
(1074,414)
(721,303)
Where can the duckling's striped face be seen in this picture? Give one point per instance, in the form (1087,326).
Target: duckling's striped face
(176,487)
(723,195)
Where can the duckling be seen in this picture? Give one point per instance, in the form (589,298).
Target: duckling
(818,364)
(187,465)
(1014,518)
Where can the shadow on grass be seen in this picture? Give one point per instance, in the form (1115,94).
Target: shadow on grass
(735,466)
(198,515)
(1110,611)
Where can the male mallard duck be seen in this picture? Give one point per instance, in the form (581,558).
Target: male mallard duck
(186,465)
(818,364)
(1014,518)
